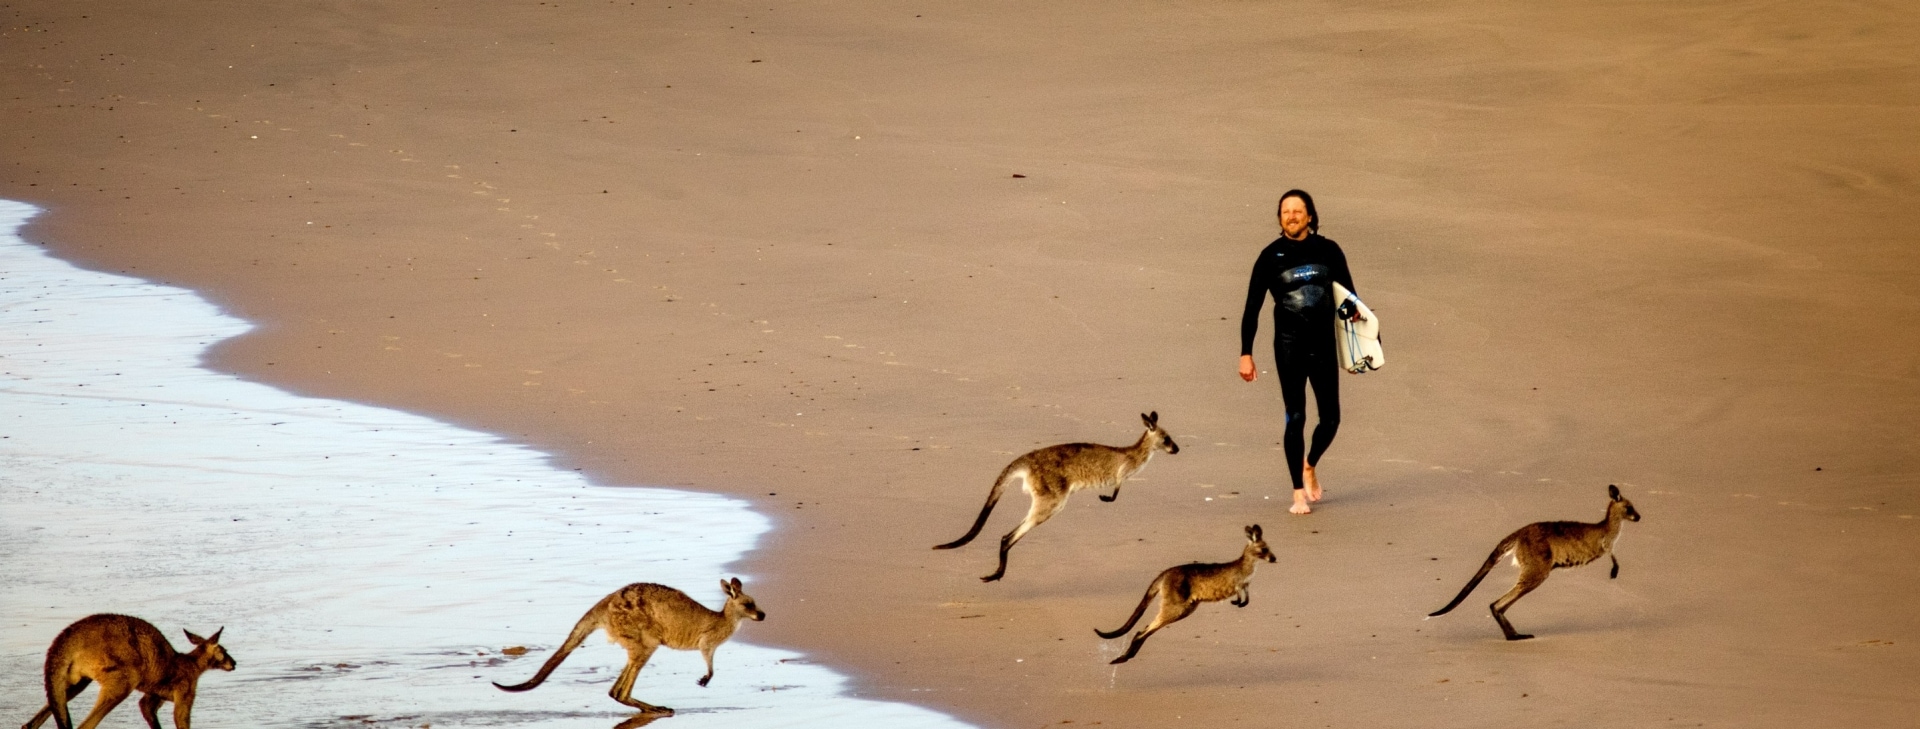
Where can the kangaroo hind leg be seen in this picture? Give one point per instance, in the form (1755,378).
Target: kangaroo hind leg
(111,694)
(1169,614)
(1531,577)
(622,690)
(1043,508)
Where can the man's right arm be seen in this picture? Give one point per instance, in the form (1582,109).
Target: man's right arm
(1256,298)
(1250,317)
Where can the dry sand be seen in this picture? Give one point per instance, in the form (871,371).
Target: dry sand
(779,251)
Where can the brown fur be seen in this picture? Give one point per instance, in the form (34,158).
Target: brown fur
(1181,590)
(125,654)
(1051,474)
(1541,547)
(643,616)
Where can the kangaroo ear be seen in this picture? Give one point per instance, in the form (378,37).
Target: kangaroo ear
(737,589)
(1152,419)
(215,638)
(194,639)
(1254,531)
(1613,491)
(726,587)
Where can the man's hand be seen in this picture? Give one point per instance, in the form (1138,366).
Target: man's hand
(1247,372)
(1350,311)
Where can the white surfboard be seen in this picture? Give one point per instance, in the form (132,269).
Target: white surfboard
(1357,343)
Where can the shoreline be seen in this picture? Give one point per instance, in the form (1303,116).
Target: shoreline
(747,303)
(350,549)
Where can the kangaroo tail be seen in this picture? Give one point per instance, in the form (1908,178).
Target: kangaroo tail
(54,673)
(1152,590)
(993,497)
(60,680)
(1499,551)
(588,623)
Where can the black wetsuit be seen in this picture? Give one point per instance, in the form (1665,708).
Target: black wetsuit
(1299,274)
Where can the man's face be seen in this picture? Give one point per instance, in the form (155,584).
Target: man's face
(1294,218)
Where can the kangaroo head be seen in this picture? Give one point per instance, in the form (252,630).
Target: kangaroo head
(207,651)
(1257,544)
(739,603)
(1621,506)
(1161,439)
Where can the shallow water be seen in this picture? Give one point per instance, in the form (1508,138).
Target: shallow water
(368,565)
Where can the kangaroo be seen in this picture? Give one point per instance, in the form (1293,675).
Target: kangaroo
(1183,588)
(643,616)
(125,654)
(1051,474)
(1541,547)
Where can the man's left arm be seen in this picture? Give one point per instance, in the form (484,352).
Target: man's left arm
(1337,260)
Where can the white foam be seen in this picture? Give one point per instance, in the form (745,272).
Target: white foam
(368,564)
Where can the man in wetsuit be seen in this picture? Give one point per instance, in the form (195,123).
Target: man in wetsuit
(1299,270)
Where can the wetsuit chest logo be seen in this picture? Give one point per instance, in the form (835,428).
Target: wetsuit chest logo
(1302,274)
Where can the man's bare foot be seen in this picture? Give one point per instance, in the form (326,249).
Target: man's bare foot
(1300,502)
(1312,483)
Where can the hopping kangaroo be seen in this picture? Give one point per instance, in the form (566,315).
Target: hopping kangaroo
(1183,588)
(1051,474)
(125,654)
(641,617)
(1540,547)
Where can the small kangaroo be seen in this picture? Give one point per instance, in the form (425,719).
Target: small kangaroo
(1183,588)
(1540,547)
(125,654)
(1051,474)
(642,617)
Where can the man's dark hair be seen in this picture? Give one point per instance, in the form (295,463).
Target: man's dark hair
(1313,216)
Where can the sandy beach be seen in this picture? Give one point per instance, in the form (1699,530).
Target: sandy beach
(844,260)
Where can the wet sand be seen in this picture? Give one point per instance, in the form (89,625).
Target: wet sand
(779,252)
